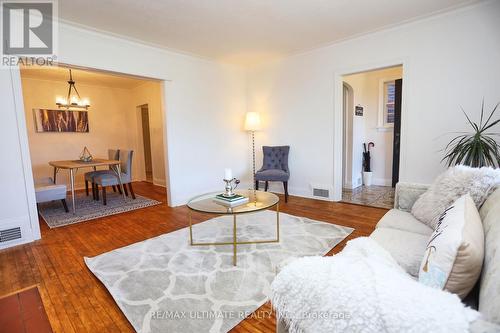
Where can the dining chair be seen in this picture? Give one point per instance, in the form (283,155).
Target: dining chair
(113,154)
(46,190)
(274,167)
(111,179)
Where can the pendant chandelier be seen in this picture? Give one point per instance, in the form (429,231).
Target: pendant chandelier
(73,100)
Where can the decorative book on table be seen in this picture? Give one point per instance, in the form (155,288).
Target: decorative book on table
(232,198)
(231,201)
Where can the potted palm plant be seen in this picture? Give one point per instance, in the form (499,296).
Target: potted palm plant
(477,148)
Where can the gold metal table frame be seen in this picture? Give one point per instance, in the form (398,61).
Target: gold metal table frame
(247,209)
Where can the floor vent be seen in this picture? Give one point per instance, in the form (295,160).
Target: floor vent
(321,192)
(10,234)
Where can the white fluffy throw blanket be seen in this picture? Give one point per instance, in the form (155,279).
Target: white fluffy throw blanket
(362,289)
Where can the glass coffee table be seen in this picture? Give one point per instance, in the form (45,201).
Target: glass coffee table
(258,200)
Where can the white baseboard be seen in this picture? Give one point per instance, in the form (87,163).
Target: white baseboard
(159,182)
(382,181)
(277,187)
(347,184)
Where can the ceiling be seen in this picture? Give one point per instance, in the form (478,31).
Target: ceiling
(246,31)
(81,77)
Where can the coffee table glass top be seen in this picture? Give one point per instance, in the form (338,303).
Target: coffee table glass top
(258,200)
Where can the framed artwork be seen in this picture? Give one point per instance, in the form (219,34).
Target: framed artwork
(358,111)
(61,121)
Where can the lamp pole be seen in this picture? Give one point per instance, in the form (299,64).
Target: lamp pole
(252,124)
(253,156)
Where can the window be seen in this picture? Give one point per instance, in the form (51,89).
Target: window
(389,98)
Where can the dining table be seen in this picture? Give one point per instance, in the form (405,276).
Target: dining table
(74,165)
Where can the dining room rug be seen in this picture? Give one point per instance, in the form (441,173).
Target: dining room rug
(88,209)
(163,284)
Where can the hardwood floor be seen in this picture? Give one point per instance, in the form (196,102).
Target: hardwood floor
(75,301)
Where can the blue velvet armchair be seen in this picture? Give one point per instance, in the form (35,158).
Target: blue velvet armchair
(274,167)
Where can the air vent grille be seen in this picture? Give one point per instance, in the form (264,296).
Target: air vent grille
(321,192)
(10,234)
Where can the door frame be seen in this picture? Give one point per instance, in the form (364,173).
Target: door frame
(338,118)
(140,143)
(346,122)
(396,136)
(166,86)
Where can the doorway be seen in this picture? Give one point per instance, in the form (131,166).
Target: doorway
(61,127)
(146,142)
(371,107)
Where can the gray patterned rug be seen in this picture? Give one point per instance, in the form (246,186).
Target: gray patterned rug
(87,209)
(165,285)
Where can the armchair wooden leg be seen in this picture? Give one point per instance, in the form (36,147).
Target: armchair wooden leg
(96,192)
(119,189)
(65,205)
(125,189)
(87,188)
(131,190)
(257,185)
(114,188)
(285,185)
(104,202)
(266,186)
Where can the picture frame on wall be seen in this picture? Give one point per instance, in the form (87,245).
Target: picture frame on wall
(358,111)
(72,121)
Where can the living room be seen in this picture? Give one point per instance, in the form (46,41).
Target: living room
(285,62)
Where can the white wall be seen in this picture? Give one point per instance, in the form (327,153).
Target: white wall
(366,128)
(149,93)
(452,61)
(204,103)
(112,124)
(17,199)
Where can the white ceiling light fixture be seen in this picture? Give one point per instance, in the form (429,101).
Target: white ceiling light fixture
(73,99)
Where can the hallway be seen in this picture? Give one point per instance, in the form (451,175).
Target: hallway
(375,196)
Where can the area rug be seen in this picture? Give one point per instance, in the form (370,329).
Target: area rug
(165,285)
(88,209)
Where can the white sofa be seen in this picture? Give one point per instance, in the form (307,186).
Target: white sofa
(406,239)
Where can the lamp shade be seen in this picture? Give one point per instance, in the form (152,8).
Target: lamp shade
(252,121)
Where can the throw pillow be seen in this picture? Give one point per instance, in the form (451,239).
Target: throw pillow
(455,252)
(450,186)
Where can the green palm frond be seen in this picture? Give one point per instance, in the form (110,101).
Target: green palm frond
(477,148)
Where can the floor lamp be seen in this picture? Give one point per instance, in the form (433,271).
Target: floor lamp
(252,124)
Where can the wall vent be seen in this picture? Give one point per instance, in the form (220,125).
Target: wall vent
(10,234)
(321,192)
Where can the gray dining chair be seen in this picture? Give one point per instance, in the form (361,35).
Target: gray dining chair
(113,154)
(46,190)
(274,167)
(111,179)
